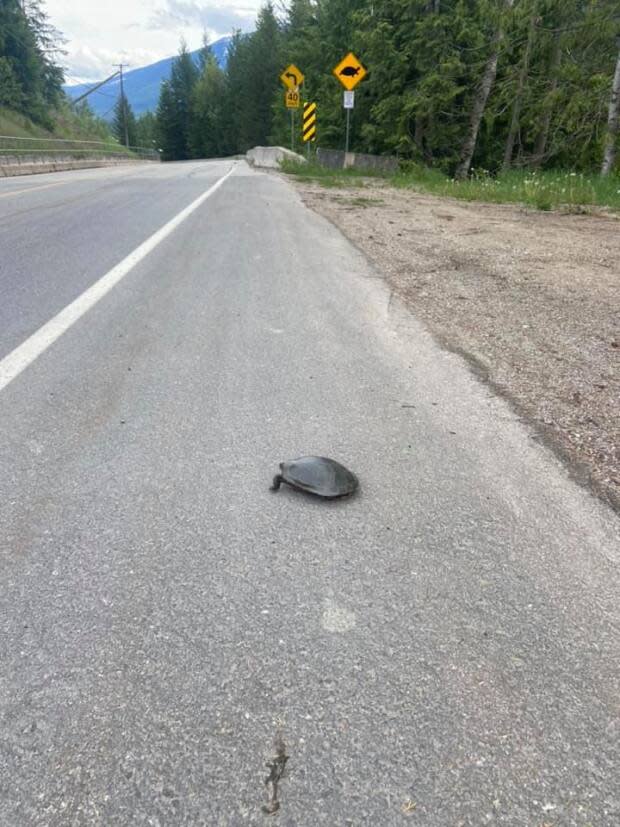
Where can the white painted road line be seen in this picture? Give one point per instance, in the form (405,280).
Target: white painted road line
(25,354)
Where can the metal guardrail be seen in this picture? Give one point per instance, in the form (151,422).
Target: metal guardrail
(59,146)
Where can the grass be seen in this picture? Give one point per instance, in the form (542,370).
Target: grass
(66,125)
(19,126)
(327,177)
(544,190)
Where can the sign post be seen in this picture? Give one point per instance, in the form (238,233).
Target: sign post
(292,78)
(348,103)
(349,72)
(346,140)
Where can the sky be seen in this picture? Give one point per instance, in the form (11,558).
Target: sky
(138,32)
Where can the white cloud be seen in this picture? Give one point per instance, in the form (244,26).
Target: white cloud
(214,17)
(85,64)
(139,32)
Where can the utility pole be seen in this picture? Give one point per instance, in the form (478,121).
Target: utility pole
(124,103)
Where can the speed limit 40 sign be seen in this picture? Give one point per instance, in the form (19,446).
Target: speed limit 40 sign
(292,98)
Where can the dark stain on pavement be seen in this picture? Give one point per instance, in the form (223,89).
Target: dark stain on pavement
(276,772)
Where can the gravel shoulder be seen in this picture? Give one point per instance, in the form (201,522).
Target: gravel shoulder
(530,299)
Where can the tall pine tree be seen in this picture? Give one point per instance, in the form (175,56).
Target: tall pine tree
(124,122)
(30,79)
(174,111)
(209,135)
(253,77)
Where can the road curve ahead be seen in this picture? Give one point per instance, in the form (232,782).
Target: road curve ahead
(443,648)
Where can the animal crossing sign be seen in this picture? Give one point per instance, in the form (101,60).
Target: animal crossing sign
(349,71)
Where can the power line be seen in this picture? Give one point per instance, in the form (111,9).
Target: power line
(76,82)
(95,88)
(106,113)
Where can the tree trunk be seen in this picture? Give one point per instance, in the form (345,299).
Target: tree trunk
(418,136)
(541,140)
(609,157)
(480,101)
(518,101)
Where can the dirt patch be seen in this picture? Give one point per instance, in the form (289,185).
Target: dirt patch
(532,299)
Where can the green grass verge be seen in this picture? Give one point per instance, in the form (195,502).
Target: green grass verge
(66,124)
(19,126)
(545,190)
(312,171)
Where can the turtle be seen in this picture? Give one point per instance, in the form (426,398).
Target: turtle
(350,71)
(321,476)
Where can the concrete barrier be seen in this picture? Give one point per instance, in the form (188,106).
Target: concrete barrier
(11,165)
(337,159)
(270,156)
(331,158)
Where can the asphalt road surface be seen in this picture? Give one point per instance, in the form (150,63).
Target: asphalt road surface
(442,649)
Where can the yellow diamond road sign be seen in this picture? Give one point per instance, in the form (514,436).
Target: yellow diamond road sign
(349,71)
(292,77)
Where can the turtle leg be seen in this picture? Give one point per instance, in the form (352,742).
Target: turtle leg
(277,482)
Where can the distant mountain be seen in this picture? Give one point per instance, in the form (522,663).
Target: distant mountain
(141,85)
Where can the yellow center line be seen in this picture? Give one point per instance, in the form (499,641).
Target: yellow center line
(31,189)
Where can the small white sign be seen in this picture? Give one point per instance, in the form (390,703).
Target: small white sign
(349,100)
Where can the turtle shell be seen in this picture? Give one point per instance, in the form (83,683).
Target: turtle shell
(319,475)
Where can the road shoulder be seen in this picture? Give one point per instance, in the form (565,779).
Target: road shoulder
(529,299)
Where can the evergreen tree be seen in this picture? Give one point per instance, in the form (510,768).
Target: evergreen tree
(237,74)
(11,92)
(253,78)
(124,122)
(174,110)
(30,80)
(146,130)
(209,136)
(167,131)
(49,44)
(204,53)
(183,78)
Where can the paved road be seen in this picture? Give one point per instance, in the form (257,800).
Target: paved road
(442,649)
